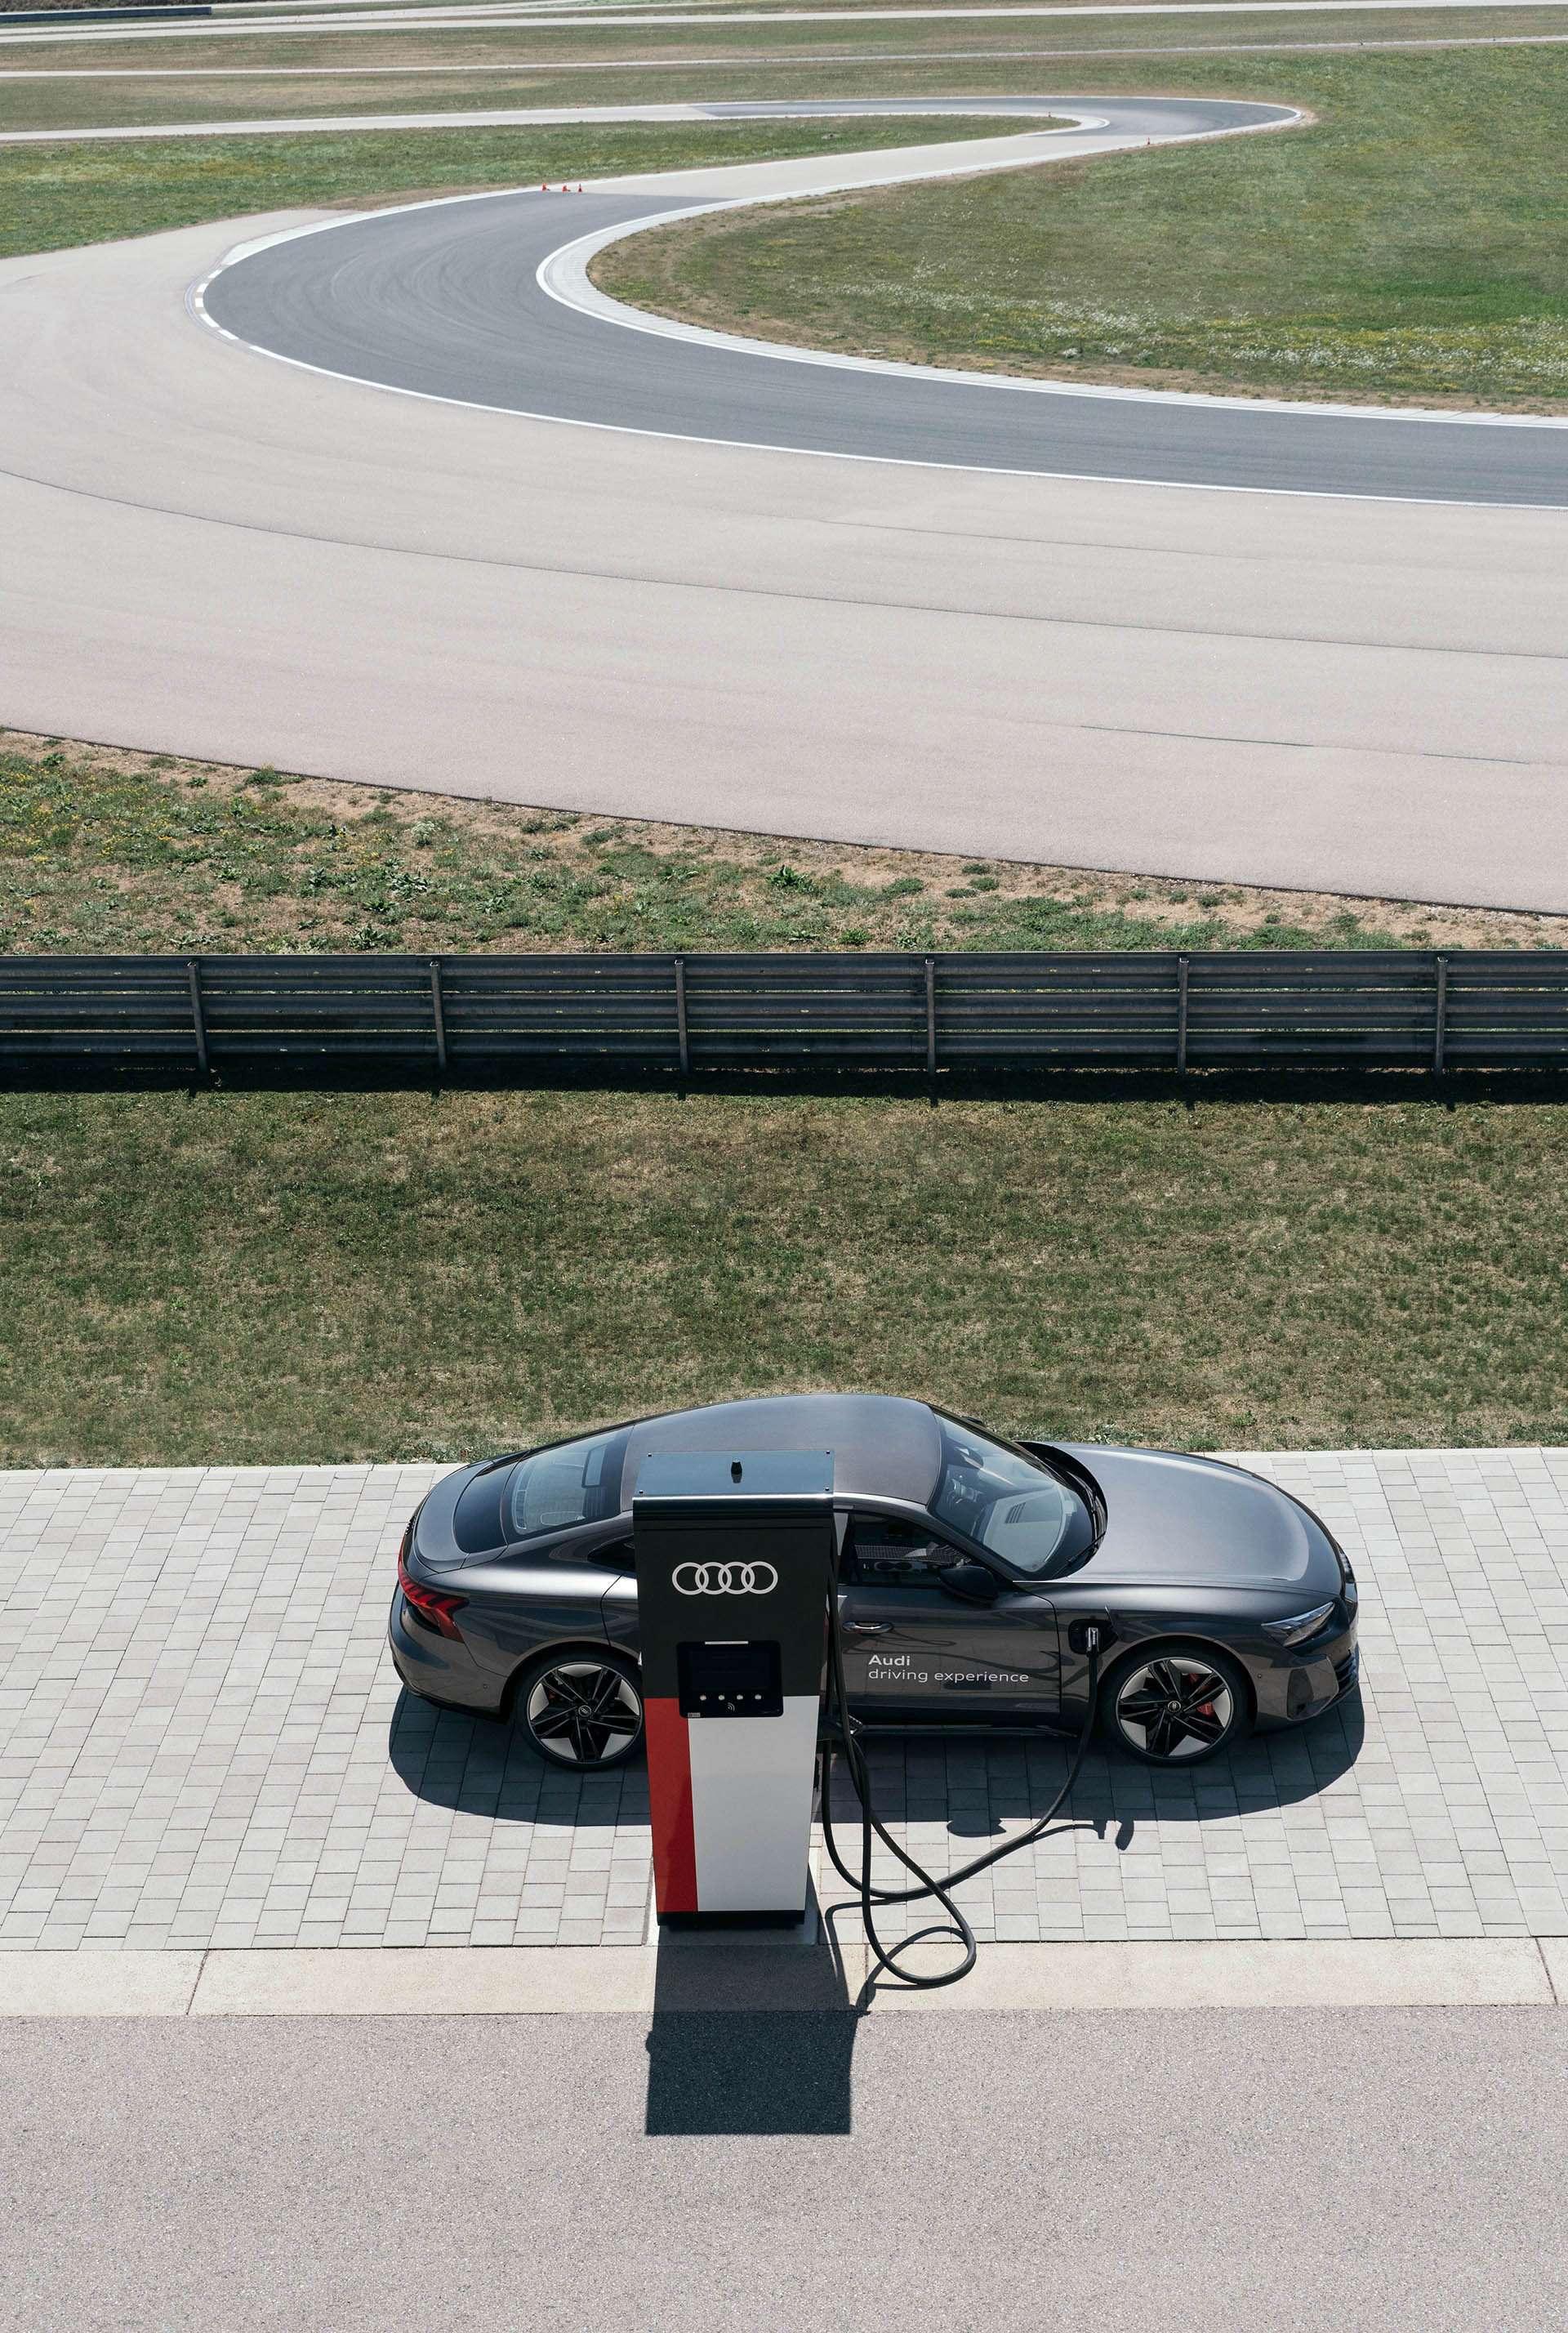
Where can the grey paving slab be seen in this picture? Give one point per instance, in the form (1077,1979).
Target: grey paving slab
(202,1741)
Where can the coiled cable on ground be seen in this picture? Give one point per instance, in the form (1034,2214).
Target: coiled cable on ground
(955,1925)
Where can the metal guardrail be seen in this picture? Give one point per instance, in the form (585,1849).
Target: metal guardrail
(511,1017)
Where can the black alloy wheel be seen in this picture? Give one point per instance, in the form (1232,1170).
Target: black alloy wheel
(581,1710)
(1175,1705)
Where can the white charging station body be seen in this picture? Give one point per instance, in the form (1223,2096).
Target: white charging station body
(735,1566)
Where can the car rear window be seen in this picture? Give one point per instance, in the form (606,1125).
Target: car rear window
(576,1482)
(476,1518)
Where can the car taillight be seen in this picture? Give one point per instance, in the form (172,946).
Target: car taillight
(427,1603)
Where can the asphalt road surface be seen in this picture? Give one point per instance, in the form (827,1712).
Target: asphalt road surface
(445,300)
(1206,2172)
(212,553)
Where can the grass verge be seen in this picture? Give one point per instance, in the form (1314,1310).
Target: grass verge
(241,1278)
(1410,247)
(54,195)
(531,62)
(109,852)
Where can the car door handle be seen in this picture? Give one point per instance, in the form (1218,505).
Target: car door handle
(870,1628)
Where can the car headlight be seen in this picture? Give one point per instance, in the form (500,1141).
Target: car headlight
(1303,1625)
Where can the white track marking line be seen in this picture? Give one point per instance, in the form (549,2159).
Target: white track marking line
(564,276)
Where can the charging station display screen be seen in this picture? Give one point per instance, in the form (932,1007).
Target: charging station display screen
(729,1679)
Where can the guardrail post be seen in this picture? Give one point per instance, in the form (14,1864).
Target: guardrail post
(1182,968)
(198,1018)
(681,1016)
(1439,1015)
(438,1012)
(930,1017)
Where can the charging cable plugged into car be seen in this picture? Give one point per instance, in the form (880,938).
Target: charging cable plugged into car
(1087,1636)
(737,1573)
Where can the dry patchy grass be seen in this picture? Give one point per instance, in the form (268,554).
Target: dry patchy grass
(56,195)
(1410,245)
(104,853)
(240,1278)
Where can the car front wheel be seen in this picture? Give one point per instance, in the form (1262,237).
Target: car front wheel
(1176,1704)
(581,1710)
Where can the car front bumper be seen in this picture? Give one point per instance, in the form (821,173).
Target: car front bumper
(1297,1683)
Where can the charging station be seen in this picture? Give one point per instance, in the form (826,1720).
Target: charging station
(736,1564)
(737,1571)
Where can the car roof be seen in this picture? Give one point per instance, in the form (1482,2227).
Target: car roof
(883,1447)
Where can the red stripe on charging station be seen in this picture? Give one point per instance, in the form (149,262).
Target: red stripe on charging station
(669,1742)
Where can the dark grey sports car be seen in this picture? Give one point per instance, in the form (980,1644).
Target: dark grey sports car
(969,1567)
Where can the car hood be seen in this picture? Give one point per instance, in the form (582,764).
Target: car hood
(1193,1519)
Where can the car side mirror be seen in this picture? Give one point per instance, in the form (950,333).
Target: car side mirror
(972,1583)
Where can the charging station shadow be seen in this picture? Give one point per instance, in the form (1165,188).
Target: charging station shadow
(749,2040)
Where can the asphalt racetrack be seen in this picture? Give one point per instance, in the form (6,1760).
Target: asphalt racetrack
(446,301)
(1224,641)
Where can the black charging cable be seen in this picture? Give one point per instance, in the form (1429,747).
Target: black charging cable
(955,1925)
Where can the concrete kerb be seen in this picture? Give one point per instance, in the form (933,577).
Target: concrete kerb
(1517,1972)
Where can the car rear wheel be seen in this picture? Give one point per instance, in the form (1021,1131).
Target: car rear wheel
(1176,1704)
(581,1710)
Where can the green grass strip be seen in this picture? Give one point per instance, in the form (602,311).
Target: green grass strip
(53,196)
(246,1278)
(103,853)
(1411,246)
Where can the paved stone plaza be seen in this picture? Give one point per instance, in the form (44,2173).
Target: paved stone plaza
(202,1741)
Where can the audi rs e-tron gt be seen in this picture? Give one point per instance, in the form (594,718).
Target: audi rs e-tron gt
(968,1566)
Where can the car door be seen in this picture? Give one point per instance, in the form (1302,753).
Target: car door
(914,1651)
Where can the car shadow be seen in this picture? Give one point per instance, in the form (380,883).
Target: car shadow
(975,1787)
(978,1789)
(480,1766)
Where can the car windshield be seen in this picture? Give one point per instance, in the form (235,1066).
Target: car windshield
(1008,1503)
(576,1482)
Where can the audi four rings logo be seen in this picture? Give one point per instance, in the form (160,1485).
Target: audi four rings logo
(723,1578)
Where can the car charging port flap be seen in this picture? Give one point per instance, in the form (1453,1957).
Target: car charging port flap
(429,1606)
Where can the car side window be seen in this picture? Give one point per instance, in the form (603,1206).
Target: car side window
(615,1555)
(883,1550)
